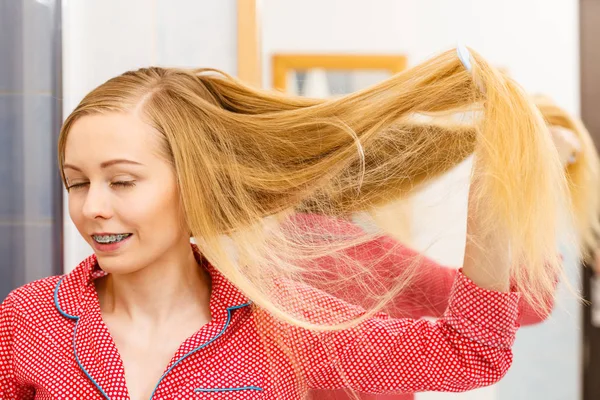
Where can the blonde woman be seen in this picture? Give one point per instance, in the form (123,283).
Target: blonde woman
(156,156)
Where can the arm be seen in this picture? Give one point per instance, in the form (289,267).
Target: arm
(11,388)
(428,291)
(8,388)
(468,347)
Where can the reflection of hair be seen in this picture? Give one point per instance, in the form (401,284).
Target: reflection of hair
(583,175)
(246,159)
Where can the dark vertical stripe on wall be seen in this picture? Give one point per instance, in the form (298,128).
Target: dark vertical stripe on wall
(57,111)
(589,30)
(30,118)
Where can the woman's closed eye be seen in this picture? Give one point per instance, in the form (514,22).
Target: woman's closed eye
(118,184)
(75,186)
(123,184)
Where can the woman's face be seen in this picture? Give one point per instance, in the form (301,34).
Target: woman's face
(123,196)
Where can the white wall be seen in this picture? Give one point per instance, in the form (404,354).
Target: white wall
(537,41)
(104,38)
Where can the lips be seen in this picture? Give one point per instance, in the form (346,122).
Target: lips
(109,242)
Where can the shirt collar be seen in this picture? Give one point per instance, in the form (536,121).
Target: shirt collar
(71,289)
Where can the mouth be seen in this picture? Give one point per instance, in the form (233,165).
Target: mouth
(109,238)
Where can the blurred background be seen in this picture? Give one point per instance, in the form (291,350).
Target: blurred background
(53,52)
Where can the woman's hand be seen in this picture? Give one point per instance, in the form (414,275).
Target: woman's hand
(486,260)
(567,144)
(487,254)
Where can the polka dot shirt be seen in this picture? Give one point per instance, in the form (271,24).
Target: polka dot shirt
(55,345)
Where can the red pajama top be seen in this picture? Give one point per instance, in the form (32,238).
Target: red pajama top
(54,345)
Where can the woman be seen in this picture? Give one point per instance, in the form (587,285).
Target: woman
(156,156)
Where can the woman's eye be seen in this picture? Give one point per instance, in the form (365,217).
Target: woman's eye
(77,186)
(123,183)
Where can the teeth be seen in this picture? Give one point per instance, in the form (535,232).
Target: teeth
(110,238)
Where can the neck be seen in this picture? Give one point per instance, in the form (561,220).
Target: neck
(171,286)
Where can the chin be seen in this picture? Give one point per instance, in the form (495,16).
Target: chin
(119,264)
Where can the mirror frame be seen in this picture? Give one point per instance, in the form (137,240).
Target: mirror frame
(283,63)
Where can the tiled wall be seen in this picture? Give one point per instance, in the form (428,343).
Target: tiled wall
(30,211)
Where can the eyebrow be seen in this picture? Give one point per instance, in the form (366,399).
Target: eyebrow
(105,164)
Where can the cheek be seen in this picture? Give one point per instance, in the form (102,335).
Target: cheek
(75,209)
(156,213)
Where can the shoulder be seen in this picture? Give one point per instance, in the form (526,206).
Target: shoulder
(31,298)
(45,297)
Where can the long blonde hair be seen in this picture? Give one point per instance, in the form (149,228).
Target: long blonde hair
(248,161)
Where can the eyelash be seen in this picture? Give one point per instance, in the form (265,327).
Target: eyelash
(123,184)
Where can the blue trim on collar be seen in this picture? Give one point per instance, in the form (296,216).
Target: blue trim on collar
(237,389)
(57,304)
(76,318)
(229,310)
(81,365)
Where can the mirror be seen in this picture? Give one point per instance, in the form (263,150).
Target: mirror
(325,75)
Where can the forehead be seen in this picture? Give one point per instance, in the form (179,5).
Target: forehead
(96,138)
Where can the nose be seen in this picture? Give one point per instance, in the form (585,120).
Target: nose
(97,203)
